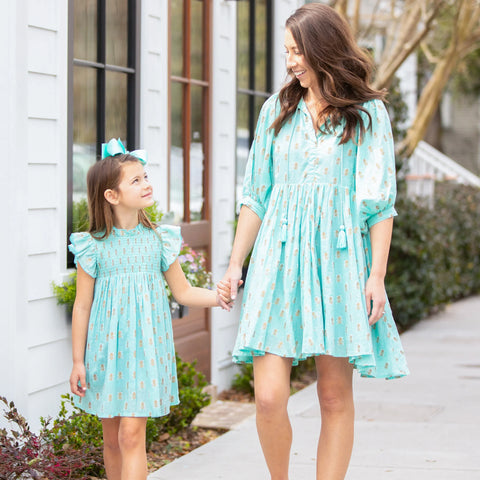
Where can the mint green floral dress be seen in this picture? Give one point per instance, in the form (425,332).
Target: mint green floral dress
(305,290)
(129,354)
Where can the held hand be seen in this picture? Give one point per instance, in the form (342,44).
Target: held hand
(375,298)
(78,384)
(227,288)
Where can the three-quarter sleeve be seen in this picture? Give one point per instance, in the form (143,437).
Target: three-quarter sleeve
(171,243)
(84,250)
(375,181)
(258,179)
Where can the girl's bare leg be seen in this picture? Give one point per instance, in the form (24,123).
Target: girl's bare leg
(335,393)
(131,439)
(272,390)
(112,456)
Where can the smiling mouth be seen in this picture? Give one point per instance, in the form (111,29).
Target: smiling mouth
(298,74)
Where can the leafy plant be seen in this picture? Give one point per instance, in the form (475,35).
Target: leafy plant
(65,292)
(24,454)
(80,221)
(243,381)
(192,399)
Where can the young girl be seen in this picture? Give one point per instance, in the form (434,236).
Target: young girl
(123,354)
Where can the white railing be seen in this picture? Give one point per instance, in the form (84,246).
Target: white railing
(427,165)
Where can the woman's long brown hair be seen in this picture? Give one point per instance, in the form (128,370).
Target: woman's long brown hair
(342,68)
(105,175)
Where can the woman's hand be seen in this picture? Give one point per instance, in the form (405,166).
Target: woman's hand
(78,383)
(375,298)
(227,288)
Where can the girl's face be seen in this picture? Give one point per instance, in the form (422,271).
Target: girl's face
(296,63)
(134,190)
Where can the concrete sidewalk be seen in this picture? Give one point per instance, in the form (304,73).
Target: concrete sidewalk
(422,427)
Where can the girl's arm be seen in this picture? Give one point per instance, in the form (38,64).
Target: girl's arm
(187,295)
(380,236)
(80,318)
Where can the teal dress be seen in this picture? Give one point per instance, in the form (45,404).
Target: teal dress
(305,290)
(129,354)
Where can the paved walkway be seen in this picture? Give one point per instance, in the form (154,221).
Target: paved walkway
(423,427)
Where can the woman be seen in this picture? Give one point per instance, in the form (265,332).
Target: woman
(318,207)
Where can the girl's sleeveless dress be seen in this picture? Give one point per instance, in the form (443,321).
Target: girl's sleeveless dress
(129,355)
(305,289)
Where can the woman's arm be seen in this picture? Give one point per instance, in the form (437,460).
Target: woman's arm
(80,318)
(380,237)
(187,295)
(247,230)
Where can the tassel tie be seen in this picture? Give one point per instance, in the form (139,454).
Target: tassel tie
(342,238)
(284,229)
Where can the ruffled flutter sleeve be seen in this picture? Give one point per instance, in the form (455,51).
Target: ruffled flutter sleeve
(171,243)
(375,169)
(258,179)
(84,250)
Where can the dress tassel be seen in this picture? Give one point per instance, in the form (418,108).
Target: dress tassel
(342,238)
(284,230)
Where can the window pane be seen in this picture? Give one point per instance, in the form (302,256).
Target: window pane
(196,40)
(259,101)
(84,127)
(261,45)
(85,30)
(197,156)
(117,32)
(243,142)
(176,152)
(243,23)
(115,105)
(176,37)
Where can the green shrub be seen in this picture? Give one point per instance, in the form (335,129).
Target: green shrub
(192,399)
(65,292)
(243,380)
(435,253)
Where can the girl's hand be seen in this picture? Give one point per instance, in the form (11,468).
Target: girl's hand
(224,294)
(232,280)
(78,376)
(375,298)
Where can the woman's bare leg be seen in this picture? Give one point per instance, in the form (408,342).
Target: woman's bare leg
(335,393)
(272,390)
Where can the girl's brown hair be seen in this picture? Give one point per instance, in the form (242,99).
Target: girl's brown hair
(104,175)
(342,68)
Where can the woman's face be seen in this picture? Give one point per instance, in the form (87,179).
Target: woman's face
(296,63)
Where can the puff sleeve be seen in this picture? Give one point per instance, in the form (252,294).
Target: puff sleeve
(375,181)
(258,180)
(171,242)
(84,250)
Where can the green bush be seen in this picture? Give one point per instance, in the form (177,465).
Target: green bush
(192,399)
(435,253)
(65,292)
(243,381)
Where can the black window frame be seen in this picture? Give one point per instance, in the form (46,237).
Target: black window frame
(133,89)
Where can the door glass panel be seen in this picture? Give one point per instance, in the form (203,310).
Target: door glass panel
(243,22)
(116,32)
(116,106)
(84,127)
(261,45)
(85,30)
(176,152)
(176,37)
(197,156)
(196,43)
(243,142)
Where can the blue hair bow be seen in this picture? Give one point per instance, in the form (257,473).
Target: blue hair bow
(115,147)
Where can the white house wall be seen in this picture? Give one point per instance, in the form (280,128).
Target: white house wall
(154,94)
(35,335)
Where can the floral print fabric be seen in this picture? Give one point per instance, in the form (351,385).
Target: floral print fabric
(317,199)
(129,355)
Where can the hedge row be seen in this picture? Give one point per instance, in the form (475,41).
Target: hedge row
(435,253)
